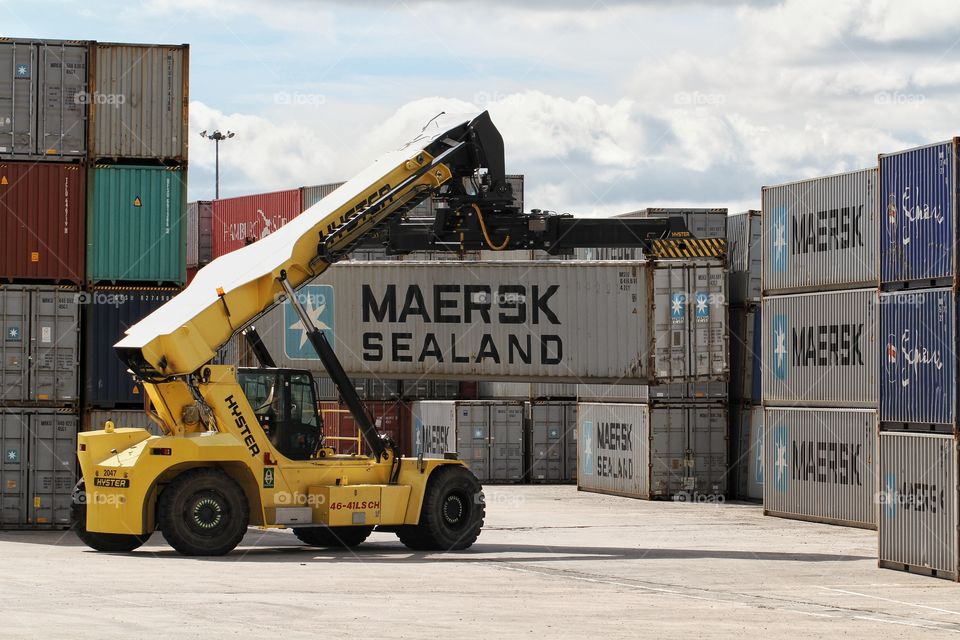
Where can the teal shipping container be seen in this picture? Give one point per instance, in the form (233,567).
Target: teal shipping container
(136,225)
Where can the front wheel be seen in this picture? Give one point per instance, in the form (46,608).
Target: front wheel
(203,512)
(452,514)
(108,542)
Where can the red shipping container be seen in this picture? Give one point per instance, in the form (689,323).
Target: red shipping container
(392,418)
(239,221)
(43,222)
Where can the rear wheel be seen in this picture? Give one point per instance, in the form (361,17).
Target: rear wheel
(343,537)
(203,512)
(109,542)
(452,514)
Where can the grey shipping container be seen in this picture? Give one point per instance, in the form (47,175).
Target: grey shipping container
(41,345)
(745,256)
(821,233)
(746,371)
(524,390)
(747,434)
(552,321)
(43,99)
(696,391)
(553,442)
(918,504)
(199,233)
(139,101)
(488,436)
(38,467)
(821,349)
(651,451)
(701,222)
(820,465)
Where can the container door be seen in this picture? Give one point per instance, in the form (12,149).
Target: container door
(506,443)
(13,467)
(668,444)
(53,445)
(671,322)
(15,322)
(473,438)
(547,435)
(63,100)
(55,341)
(708,321)
(18,82)
(708,450)
(570,444)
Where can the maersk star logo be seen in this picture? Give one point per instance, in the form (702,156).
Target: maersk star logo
(13,333)
(781,467)
(702,307)
(317,300)
(678,307)
(778,235)
(780,347)
(12,455)
(23,71)
(586,460)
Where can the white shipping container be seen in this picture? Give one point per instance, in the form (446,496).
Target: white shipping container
(820,465)
(487,435)
(553,441)
(550,321)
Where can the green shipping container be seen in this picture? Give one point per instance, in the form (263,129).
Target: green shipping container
(136,225)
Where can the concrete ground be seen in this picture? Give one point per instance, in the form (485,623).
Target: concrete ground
(551,563)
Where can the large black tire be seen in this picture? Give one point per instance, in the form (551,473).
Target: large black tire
(342,537)
(109,542)
(452,513)
(203,512)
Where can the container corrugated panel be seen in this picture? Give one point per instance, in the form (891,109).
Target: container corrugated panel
(41,345)
(239,221)
(507,451)
(109,312)
(918,190)
(748,432)
(553,455)
(433,428)
(707,447)
(136,229)
(820,465)
(820,349)
(614,455)
(390,418)
(199,234)
(43,99)
(556,321)
(94,419)
(38,468)
(745,256)
(919,331)
(821,233)
(313,194)
(745,354)
(536,390)
(44,221)
(139,104)
(918,503)
(613,393)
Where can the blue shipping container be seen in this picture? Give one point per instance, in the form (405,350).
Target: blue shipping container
(918,188)
(918,338)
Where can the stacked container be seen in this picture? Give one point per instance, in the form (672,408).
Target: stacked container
(918,348)
(745,259)
(43,185)
(819,347)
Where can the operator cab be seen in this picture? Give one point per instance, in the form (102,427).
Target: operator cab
(285,402)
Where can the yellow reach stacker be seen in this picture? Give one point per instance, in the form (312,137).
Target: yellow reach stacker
(245,446)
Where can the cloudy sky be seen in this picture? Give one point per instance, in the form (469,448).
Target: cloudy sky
(605,106)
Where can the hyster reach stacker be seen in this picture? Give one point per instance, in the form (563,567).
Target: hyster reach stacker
(245,447)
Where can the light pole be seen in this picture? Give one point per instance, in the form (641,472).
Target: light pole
(216,136)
